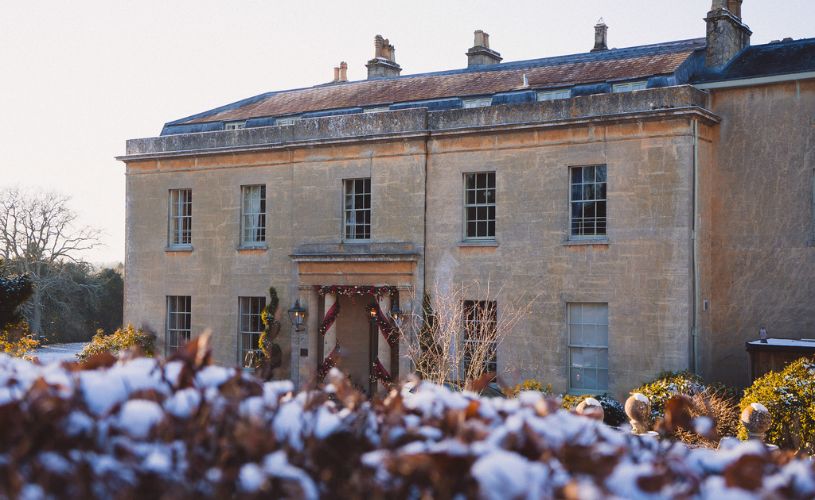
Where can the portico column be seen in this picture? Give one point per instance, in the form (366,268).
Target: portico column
(307,341)
(330,337)
(383,351)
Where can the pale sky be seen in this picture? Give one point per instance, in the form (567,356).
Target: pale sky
(81,77)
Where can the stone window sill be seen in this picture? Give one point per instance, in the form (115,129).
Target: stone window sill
(251,248)
(179,249)
(478,243)
(588,241)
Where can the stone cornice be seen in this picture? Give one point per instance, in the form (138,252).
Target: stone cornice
(652,104)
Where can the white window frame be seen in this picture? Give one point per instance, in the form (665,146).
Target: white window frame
(350,213)
(553,95)
(250,325)
(596,200)
(576,341)
(178,322)
(287,120)
(235,125)
(476,102)
(629,86)
(474,312)
(179,218)
(253,218)
(475,204)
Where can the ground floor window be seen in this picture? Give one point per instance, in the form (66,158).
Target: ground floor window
(480,346)
(588,346)
(178,322)
(250,327)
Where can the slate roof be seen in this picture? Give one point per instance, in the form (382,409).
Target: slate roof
(661,64)
(775,58)
(563,71)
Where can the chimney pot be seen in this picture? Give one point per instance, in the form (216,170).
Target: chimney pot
(480,53)
(600,36)
(343,72)
(383,65)
(336,74)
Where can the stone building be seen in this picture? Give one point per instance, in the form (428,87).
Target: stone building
(656,201)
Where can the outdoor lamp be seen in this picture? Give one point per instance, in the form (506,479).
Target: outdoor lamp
(396,314)
(297,314)
(372,311)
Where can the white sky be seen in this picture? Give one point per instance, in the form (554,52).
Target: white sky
(78,78)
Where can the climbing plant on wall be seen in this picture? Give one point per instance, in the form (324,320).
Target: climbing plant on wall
(271,329)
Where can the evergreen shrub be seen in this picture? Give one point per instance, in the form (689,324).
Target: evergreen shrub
(118,341)
(789,395)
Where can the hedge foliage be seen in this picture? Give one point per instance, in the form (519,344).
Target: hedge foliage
(667,385)
(613,411)
(120,340)
(789,395)
(16,340)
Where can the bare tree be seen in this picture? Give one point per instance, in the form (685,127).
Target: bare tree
(457,339)
(38,233)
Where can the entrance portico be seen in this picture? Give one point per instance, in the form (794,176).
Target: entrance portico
(348,291)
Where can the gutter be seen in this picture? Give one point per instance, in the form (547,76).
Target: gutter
(694,346)
(762,80)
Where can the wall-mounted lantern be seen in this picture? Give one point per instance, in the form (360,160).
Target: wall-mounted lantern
(297,315)
(372,308)
(396,314)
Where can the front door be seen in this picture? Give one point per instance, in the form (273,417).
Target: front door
(356,340)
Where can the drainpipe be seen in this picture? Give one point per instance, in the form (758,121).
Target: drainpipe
(694,355)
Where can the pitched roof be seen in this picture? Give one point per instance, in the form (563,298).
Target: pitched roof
(563,71)
(774,58)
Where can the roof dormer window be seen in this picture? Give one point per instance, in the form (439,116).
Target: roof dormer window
(629,86)
(234,125)
(551,95)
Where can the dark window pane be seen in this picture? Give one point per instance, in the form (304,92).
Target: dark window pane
(471,229)
(577,175)
(491,180)
(470,181)
(600,174)
(482,228)
(491,228)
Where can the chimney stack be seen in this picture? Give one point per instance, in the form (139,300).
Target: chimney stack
(480,53)
(383,65)
(600,36)
(341,73)
(726,34)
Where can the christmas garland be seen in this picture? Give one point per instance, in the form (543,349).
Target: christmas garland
(378,372)
(330,318)
(386,326)
(357,290)
(328,363)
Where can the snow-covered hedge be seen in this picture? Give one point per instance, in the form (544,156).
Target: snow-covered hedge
(145,428)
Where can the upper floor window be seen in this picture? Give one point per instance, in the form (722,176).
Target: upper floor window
(587,200)
(477,102)
(479,205)
(588,347)
(629,86)
(234,125)
(551,95)
(179,316)
(249,328)
(480,337)
(180,218)
(357,218)
(253,215)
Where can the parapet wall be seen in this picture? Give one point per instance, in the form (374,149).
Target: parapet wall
(420,121)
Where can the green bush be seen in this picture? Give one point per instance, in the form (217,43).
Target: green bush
(666,385)
(613,411)
(789,395)
(120,340)
(528,385)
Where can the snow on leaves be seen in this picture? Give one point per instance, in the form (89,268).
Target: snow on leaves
(143,428)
